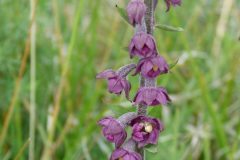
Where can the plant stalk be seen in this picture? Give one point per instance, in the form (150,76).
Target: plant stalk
(149,22)
(56,109)
(17,86)
(32,83)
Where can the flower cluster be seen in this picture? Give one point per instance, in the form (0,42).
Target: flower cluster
(145,130)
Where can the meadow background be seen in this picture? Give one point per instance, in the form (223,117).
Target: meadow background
(76,39)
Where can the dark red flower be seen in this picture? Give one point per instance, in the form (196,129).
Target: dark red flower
(146,130)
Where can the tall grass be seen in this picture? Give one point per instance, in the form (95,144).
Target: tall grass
(76,39)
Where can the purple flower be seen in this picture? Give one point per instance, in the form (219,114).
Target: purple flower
(136,10)
(152,67)
(146,130)
(142,45)
(116,82)
(123,154)
(113,131)
(174,3)
(151,96)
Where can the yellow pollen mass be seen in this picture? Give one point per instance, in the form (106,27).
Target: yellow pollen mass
(148,127)
(120,158)
(155,68)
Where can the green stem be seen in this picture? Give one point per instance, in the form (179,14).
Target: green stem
(47,150)
(32,83)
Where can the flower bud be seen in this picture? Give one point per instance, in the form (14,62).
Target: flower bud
(136,10)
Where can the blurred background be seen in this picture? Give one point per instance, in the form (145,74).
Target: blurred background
(59,46)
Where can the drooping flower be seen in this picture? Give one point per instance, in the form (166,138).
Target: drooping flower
(123,154)
(174,3)
(136,10)
(151,96)
(113,131)
(146,130)
(116,82)
(151,67)
(142,45)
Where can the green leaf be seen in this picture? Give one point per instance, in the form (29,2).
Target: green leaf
(171,65)
(122,13)
(169,28)
(151,148)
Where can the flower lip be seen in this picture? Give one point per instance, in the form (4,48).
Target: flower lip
(155,68)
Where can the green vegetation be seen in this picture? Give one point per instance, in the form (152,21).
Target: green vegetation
(75,39)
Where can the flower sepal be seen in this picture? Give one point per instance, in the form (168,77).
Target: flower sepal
(173,3)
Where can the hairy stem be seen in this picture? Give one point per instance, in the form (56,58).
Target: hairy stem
(130,145)
(149,22)
(149,17)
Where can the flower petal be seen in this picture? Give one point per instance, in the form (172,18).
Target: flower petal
(118,153)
